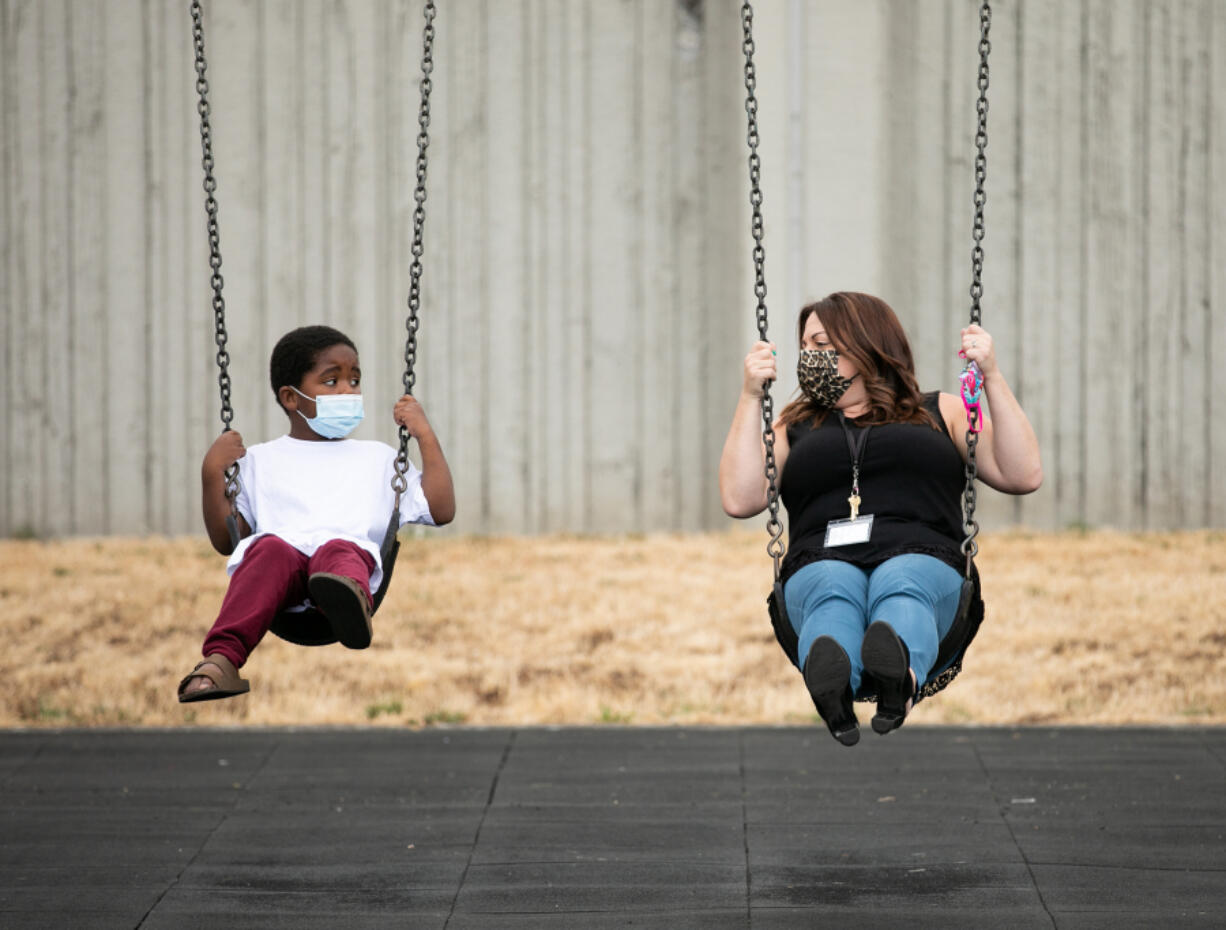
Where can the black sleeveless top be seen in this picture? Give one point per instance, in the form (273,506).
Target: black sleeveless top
(911,481)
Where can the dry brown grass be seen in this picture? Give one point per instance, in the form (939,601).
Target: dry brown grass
(1083,628)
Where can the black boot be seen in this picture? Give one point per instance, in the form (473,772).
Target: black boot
(828,678)
(887,659)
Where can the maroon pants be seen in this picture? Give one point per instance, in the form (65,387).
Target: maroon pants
(271,577)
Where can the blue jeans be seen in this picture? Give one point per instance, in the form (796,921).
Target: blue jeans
(915,594)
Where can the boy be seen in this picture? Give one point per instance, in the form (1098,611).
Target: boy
(312,508)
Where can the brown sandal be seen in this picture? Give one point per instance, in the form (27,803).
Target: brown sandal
(226,682)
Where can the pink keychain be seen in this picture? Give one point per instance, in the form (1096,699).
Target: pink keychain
(972,387)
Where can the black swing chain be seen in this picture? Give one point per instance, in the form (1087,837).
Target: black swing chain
(399,482)
(773,525)
(210,206)
(970,547)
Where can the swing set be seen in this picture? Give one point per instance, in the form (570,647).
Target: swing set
(311,628)
(970,610)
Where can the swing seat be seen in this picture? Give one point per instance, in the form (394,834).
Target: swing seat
(310,627)
(953,647)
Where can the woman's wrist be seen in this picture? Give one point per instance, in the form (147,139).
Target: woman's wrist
(993,377)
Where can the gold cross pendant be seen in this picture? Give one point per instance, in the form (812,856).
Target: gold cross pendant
(854,500)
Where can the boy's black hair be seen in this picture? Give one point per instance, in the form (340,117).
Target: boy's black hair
(295,354)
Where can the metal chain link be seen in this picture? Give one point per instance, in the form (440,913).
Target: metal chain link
(773,525)
(399,482)
(210,207)
(970,526)
(981,160)
(970,547)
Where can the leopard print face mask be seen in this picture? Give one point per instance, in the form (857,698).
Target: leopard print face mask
(818,373)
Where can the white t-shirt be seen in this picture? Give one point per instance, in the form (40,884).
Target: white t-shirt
(308,493)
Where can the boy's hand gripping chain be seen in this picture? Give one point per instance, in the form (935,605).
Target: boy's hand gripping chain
(399,482)
(215,278)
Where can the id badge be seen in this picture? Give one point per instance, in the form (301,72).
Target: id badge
(849,532)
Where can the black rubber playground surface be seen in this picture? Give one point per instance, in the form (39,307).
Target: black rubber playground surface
(612,827)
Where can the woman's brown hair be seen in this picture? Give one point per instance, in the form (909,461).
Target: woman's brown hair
(866,330)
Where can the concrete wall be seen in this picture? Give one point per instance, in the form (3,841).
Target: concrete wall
(587,294)
(583,224)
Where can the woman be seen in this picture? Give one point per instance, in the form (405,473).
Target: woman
(871,474)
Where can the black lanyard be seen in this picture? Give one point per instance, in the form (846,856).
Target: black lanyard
(856,447)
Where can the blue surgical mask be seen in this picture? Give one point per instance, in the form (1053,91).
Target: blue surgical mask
(336,415)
